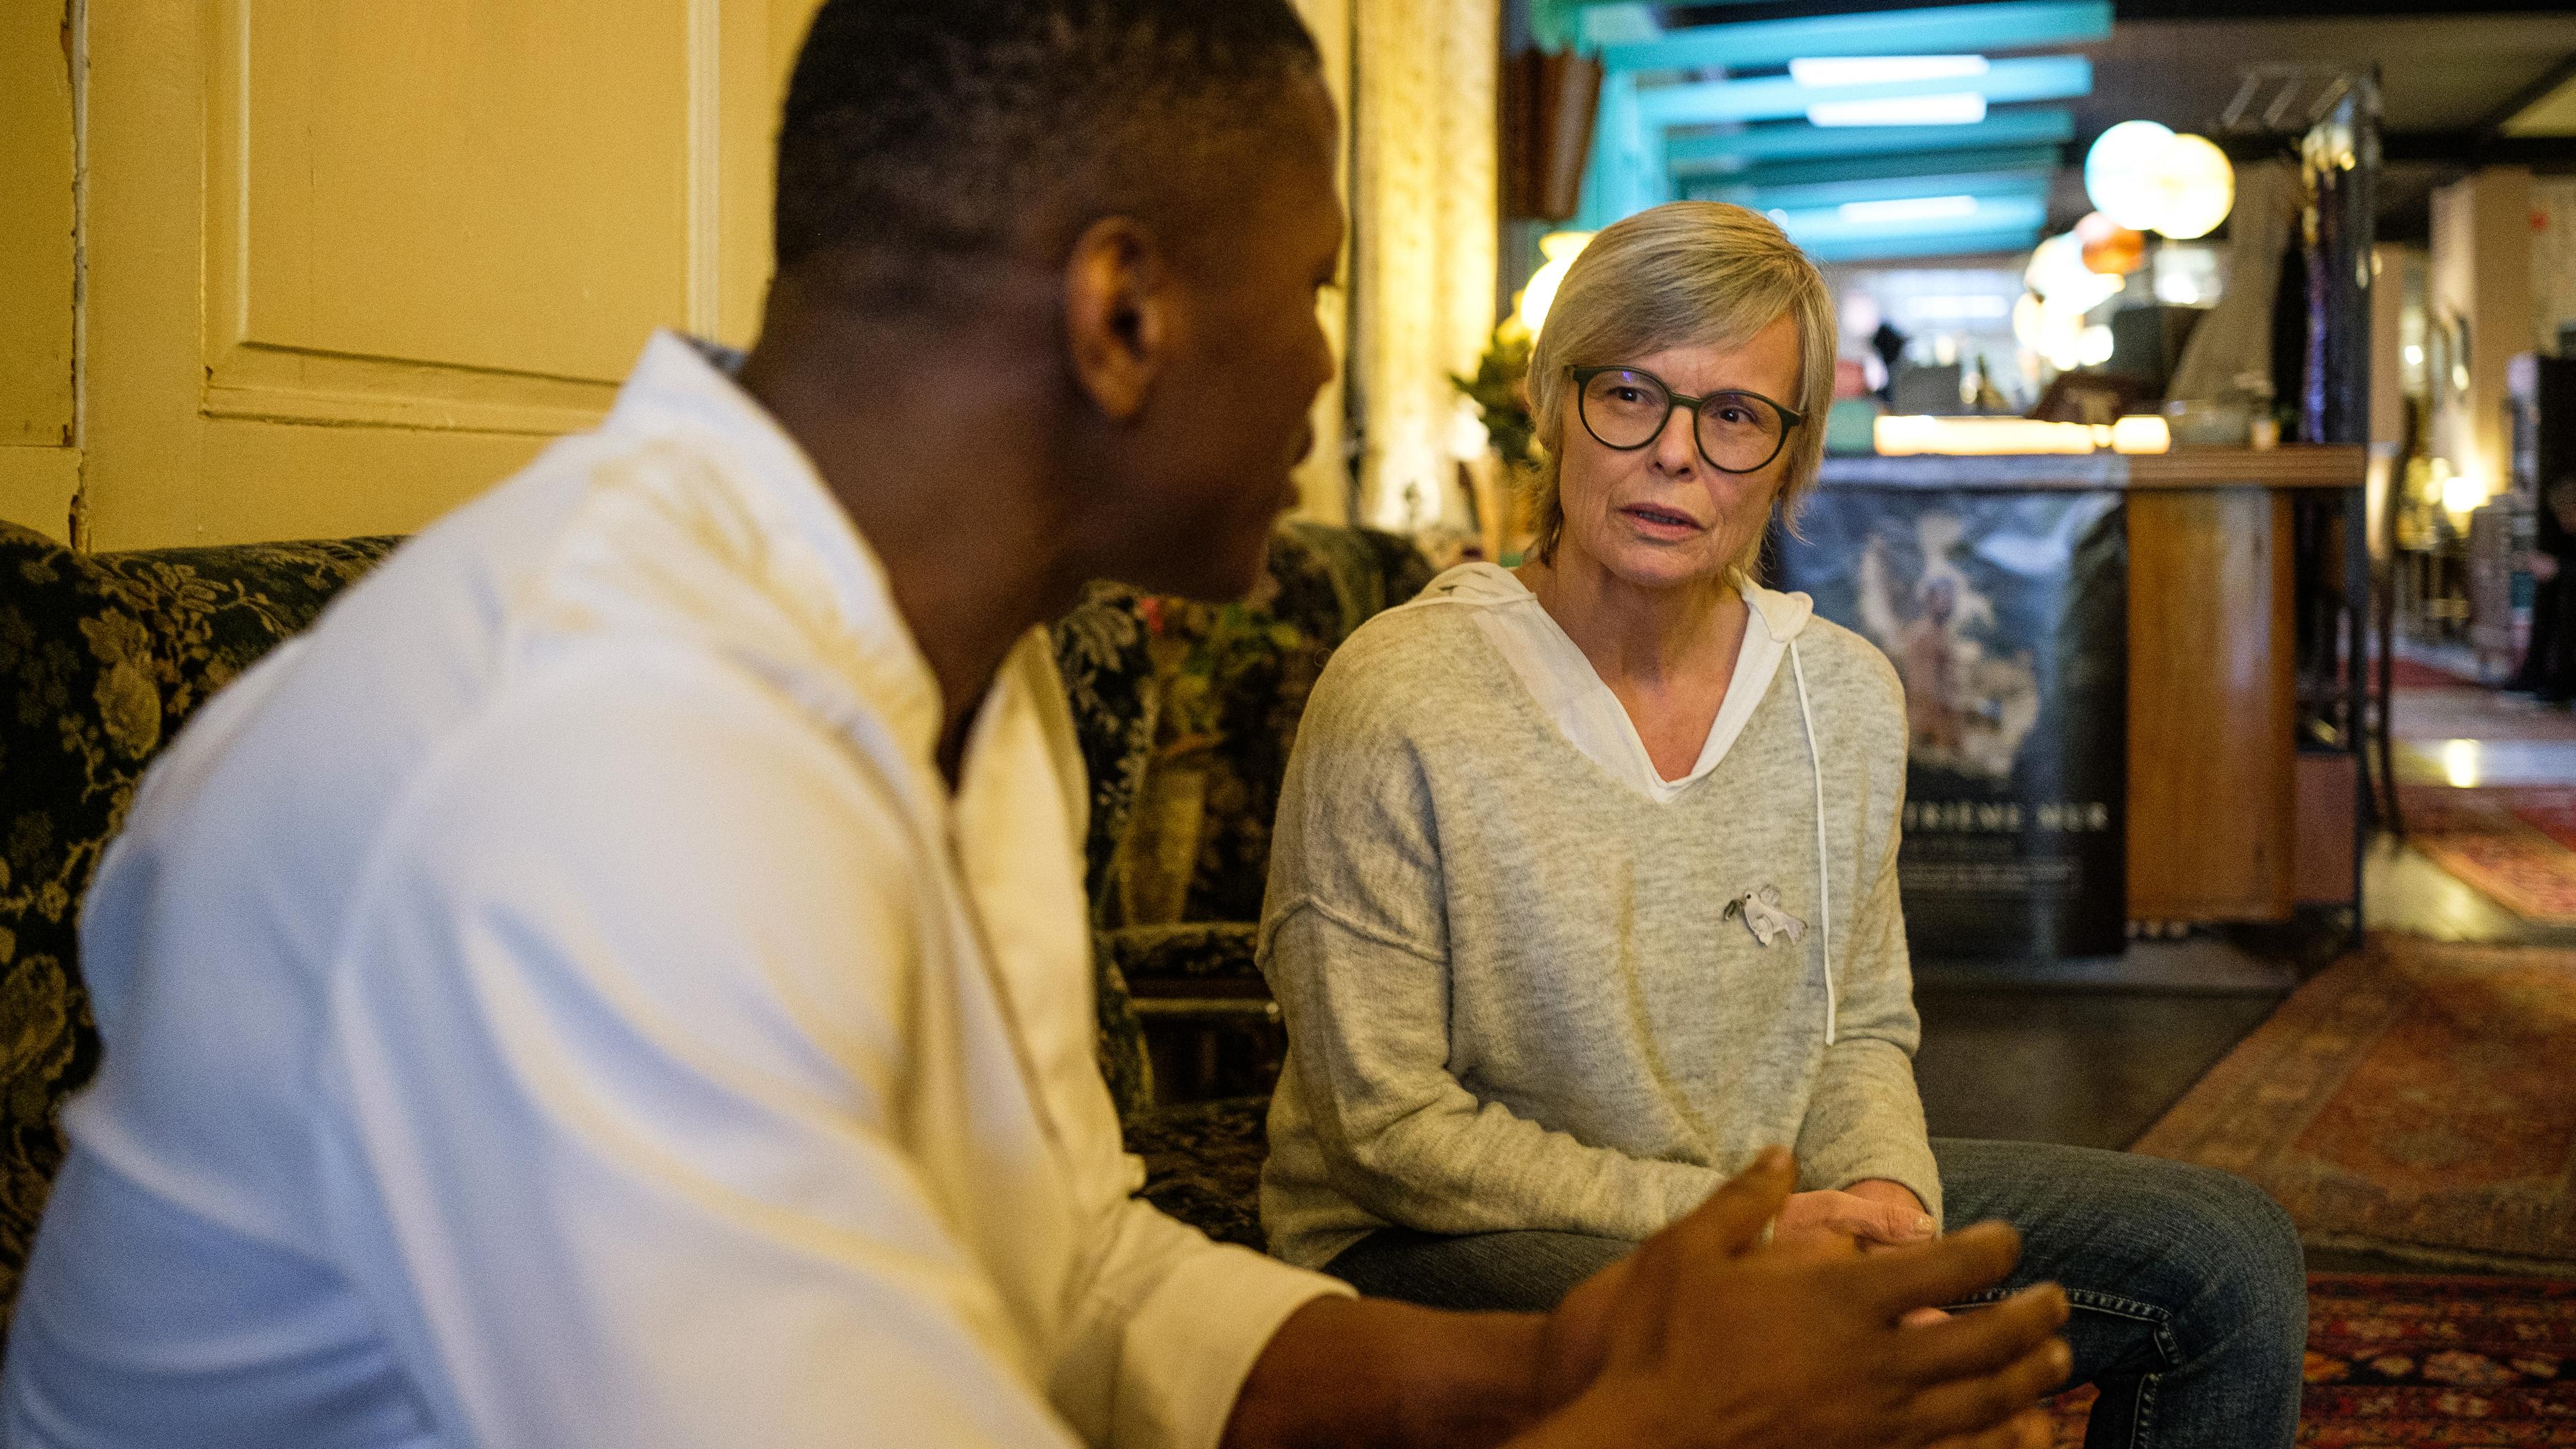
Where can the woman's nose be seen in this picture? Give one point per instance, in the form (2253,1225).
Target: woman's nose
(1677,447)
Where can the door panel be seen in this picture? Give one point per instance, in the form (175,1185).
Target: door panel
(353,260)
(493,187)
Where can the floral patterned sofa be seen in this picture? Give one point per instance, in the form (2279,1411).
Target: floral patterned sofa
(106,656)
(1186,763)
(1186,713)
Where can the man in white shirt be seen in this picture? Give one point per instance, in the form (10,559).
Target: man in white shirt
(621,979)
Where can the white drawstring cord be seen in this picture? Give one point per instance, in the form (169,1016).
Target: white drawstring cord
(1824,863)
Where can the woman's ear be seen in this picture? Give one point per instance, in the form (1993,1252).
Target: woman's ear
(1117,304)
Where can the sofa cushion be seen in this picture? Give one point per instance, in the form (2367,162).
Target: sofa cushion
(106,656)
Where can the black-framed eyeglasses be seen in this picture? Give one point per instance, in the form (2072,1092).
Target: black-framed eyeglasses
(1626,408)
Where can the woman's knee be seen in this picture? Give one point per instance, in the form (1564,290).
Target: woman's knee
(2250,1289)
(2214,1262)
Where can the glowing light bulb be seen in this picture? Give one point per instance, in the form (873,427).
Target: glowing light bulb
(2119,172)
(1912,208)
(2141,433)
(1560,248)
(2461,495)
(2460,763)
(2196,187)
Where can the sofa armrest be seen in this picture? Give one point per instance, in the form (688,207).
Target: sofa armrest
(1191,958)
(1206,1013)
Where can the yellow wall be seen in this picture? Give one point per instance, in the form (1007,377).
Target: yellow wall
(1428,237)
(1323,479)
(39,426)
(2479,273)
(301,268)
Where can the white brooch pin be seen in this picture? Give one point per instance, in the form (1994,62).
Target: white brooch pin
(1763,916)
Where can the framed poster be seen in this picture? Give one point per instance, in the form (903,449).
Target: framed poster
(2006,616)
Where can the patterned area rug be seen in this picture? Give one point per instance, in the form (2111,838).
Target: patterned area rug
(2549,809)
(2395,1363)
(2516,844)
(2418,1099)
(2476,714)
(2405,673)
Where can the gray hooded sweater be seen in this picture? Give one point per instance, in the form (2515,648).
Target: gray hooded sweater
(1516,996)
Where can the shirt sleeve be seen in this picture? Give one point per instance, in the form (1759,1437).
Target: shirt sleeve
(626,1130)
(1170,1326)
(1864,1116)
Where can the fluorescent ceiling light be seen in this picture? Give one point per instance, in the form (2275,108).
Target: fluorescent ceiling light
(1865,70)
(1949,108)
(1764,98)
(1911,208)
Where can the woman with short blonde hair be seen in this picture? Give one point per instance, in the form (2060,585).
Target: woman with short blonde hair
(1584,891)
(1689,270)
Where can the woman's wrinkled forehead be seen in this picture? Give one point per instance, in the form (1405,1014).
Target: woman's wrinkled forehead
(1737,340)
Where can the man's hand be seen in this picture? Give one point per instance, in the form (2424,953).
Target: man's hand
(1699,1339)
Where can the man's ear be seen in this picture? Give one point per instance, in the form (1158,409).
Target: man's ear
(1117,314)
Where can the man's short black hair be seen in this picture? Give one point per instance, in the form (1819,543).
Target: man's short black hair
(922,136)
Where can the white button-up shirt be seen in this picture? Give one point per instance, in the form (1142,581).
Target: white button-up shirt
(557,1002)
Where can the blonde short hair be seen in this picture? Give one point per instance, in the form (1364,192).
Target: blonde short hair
(1686,272)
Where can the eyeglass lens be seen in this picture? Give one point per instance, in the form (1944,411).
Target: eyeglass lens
(1627,409)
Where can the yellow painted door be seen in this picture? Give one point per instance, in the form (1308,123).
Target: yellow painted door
(347,262)
(300,268)
(39,432)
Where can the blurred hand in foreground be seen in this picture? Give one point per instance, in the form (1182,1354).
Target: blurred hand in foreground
(1703,1340)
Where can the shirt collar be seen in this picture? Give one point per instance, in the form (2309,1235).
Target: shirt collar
(705,510)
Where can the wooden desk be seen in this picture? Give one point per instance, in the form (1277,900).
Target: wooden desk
(2213,692)
(2213,688)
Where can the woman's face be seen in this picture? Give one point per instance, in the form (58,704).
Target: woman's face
(1660,515)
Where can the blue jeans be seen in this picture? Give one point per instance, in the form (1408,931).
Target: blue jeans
(2189,1292)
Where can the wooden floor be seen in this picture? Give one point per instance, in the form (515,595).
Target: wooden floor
(2465,737)
(2083,1066)
(2091,1053)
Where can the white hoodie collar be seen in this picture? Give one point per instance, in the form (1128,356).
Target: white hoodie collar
(1783,616)
(1561,680)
